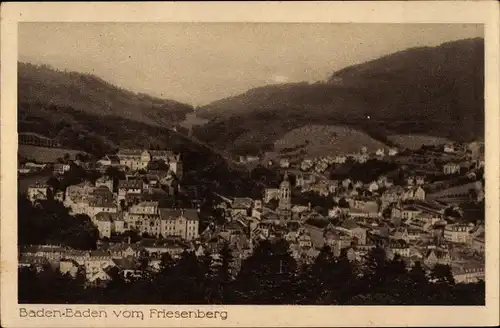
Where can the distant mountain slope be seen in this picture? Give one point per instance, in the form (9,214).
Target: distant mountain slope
(435,91)
(45,86)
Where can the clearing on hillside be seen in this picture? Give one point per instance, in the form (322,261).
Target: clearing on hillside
(322,140)
(46,155)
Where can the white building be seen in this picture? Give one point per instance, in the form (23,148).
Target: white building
(457,233)
(183,223)
(37,192)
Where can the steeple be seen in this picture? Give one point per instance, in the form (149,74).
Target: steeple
(285,193)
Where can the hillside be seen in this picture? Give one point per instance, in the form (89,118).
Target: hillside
(45,86)
(433,91)
(327,139)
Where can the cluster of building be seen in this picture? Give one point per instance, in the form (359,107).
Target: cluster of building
(415,229)
(97,265)
(118,207)
(138,159)
(402,219)
(448,158)
(322,163)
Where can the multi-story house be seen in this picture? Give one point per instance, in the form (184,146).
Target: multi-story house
(109,161)
(134,159)
(284,163)
(467,274)
(449,148)
(413,193)
(129,187)
(271,193)
(60,169)
(337,240)
(49,252)
(37,191)
(354,230)
(108,223)
(340,159)
(451,168)
(392,195)
(95,263)
(104,224)
(437,256)
(97,206)
(78,196)
(104,182)
(380,152)
(183,223)
(457,233)
(241,205)
(419,180)
(150,208)
(392,151)
(398,247)
(405,212)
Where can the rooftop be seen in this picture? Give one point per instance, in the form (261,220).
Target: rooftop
(170,213)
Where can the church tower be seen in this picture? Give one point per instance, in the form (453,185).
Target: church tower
(285,202)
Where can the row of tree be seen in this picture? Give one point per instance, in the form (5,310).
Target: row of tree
(269,276)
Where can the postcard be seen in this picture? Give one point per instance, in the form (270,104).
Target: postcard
(252,164)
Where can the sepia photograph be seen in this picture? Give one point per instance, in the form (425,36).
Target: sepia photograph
(243,163)
(249,163)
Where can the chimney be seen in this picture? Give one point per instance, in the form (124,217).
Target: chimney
(128,240)
(182,212)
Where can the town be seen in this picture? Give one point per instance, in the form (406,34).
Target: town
(426,208)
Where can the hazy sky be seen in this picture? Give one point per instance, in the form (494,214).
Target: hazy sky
(201,62)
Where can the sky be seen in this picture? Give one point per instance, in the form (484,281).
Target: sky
(197,63)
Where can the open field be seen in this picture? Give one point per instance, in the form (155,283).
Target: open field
(328,140)
(45,155)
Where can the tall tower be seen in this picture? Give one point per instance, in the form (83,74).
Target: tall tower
(285,194)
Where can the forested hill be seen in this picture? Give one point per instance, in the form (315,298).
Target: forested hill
(434,91)
(45,86)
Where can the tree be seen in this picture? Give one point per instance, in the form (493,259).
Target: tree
(54,183)
(166,262)
(451,212)
(443,285)
(375,273)
(158,165)
(82,157)
(343,203)
(267,276)
(418,284)
(116,175)
(224,275)
(132,236)
(441,274)
(50,223)
(66,157)
(316,280)
(187,280)
(143,260)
